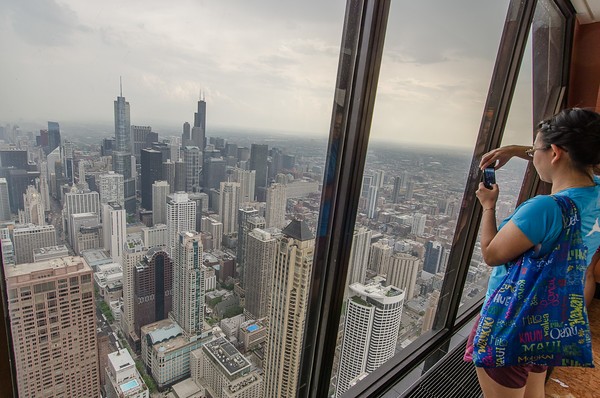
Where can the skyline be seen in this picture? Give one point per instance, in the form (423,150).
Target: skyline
(265,66)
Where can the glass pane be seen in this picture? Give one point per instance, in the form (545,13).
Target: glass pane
(168,119)
(431,93)
(540,86)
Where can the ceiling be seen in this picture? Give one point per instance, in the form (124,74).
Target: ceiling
(588,11)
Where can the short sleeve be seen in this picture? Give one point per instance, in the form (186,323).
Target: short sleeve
(540,219)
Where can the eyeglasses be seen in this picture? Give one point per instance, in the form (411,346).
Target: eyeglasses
(532,150)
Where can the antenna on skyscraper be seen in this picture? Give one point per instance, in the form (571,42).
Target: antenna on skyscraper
(121,85)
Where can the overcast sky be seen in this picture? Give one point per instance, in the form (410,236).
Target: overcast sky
(262,64)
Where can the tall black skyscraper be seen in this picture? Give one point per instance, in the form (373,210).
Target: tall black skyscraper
(198,134)
(53,136)
(152,164)
(258,162)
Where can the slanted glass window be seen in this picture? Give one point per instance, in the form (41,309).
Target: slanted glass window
(431,93)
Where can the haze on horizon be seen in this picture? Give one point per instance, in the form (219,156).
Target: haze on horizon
(264,65)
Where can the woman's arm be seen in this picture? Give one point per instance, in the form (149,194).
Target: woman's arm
(498,247)
(500,156)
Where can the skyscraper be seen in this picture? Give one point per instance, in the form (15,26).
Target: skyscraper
(110,186)
(396,191)
(53,136)
(192,157)
(198,136)
(359,256)
(247,180)
(287,310)
(432,261)
(153,288)
(228,208)
(181,216)
(114,228)
(29,237)
(160,190)
(151,170)
(78,201)
(188,283)
(4,200)
(276,206)
(133,253)
(370,332)
(379,258)
(258,162)
(55,345)
(33,212)
(261,247)
(402,273)
(122,151)
(245,214)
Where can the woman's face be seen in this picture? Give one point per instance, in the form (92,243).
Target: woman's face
(541,158)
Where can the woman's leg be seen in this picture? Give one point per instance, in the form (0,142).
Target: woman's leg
(492,389)
(535,387)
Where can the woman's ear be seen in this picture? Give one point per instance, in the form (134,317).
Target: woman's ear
(558,153)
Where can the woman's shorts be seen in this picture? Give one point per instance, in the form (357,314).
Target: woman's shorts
(510,376)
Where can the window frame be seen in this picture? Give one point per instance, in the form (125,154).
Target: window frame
(342,184)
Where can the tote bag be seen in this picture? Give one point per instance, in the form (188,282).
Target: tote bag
(537,315)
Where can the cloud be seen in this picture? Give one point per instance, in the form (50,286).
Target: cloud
(43,22)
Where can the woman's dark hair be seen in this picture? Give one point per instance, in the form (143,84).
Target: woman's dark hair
(577,131)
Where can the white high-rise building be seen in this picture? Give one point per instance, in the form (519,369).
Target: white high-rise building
(247,180)
(418,224)
(160,190)
(122,378)
(359,256)
(53,326)
(110,186)
(188,283)
(402,273)
(43,185)
(276,206)
(28,237)
(79,201)
(290,283)
(181,216)
(4,200)
(229,205)
(114,227)
(372,201)
(373,315)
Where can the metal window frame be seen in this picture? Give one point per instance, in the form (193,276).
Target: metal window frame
(344,167)
(358,73)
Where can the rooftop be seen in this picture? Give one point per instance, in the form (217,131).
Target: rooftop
(55,266)
(298,230)
(225,354)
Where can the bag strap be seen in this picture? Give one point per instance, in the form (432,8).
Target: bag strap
(570,213)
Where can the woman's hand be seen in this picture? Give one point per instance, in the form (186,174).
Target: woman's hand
(487,197)
(499,156)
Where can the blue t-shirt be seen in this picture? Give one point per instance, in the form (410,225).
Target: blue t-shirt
(540,219)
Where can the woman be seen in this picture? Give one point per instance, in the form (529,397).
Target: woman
(565,151)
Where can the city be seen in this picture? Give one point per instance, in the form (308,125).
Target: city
(182,249)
